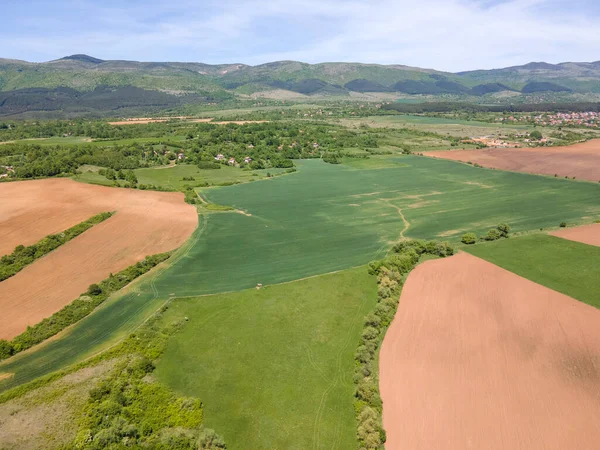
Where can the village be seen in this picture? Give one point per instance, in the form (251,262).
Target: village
(590,119)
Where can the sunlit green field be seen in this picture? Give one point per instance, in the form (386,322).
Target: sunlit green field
(320,219)
(566,266)
(273,366)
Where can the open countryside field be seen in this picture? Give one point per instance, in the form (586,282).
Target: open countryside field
(452,127)
(566,266)
(580,160)
(172,177)
(478,357)
(320,219)
(145,223)
(276,363)
(586,234)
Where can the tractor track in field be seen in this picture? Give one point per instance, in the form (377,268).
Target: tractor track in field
(338,379)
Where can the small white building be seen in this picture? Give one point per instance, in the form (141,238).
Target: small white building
(220,157)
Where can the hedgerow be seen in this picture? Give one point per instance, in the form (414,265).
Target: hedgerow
(79,308)
(23,256)
(390,272)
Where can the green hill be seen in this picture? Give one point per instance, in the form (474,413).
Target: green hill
(85,74)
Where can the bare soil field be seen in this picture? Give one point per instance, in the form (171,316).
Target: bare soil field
(587,234)
(580,160)
(145,223)
(480,358)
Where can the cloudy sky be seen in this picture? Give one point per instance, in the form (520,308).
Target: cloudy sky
(449,35)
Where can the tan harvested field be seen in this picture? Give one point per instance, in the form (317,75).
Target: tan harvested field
(580,160)
(480,358)
(145,223)
(588,234)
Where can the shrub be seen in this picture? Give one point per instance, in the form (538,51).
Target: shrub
(94,289)
(6,349)
(210,440)
(469,238)
(493,235)
(536,134)
(563,224)
(208,165)
(504,229)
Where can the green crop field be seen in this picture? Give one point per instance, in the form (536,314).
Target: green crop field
(444,126)
(276,364)
(569,267)
(321,219)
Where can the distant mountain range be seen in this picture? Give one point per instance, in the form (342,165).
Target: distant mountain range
(94,79)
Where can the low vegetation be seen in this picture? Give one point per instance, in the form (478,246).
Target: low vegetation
(79,308)
(23,256)
(390,272)
(280,345)
(493,234)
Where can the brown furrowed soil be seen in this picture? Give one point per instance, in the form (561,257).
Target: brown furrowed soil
(145,223)
(580,160)
(588,234)
(480,358)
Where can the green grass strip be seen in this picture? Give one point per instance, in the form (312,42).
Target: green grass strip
(79,308)
(569,267)
(23,256)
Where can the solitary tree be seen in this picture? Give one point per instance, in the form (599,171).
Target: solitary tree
(469,238)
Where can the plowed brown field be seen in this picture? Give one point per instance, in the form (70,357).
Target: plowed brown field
(588,234)
(480,358)
(580,160)
(145,223)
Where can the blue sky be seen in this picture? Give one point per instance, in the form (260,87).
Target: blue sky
(449,35)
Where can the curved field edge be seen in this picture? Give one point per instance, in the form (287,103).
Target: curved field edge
(274,365)
(141,412)
(569,267)
(107,326)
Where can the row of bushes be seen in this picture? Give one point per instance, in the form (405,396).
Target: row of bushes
(23,256)
(390,274)
(78,309)
(501,231)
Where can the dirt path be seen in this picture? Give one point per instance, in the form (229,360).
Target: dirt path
(588,234)
(145,223)
(479,358)
(580,160)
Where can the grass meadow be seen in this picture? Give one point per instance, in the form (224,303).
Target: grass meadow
(273,366)
(172,177)
(565,266)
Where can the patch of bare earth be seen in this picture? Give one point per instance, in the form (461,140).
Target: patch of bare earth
(587,234)
(480,358)
(145,223)
(580,160)
(45,418)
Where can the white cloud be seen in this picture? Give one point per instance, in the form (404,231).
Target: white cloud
(443,34)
